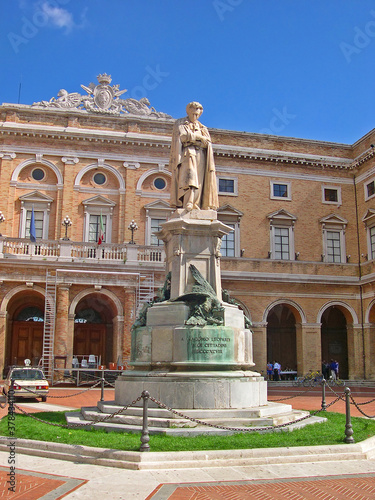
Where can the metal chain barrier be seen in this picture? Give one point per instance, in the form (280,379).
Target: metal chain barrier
(88,424)
(237,429)
(359,409)
(342,397)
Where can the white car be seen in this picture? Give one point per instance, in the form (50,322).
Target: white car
(28,383)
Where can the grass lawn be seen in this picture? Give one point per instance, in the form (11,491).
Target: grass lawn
(330,432)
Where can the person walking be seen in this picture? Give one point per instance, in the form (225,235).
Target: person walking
(276,370)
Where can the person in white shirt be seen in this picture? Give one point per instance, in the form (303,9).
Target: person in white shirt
(276,370)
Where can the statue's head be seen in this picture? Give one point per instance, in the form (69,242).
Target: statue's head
(194,110)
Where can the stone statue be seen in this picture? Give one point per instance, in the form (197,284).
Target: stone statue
(192,163)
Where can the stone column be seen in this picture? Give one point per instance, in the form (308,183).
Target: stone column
(3,319)
(62,340)
(260,347)
(355,351)
(309,349)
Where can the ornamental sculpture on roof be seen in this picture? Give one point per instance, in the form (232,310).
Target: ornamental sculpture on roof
(102,98)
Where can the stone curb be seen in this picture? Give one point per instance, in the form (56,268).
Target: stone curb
(191,459)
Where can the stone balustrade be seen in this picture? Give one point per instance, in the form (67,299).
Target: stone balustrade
(73,251)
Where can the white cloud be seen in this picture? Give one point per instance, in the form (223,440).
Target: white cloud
(57,16)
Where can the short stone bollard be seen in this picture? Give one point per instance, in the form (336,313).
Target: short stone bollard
(348,426)
(145,437)
(102,388)
(324,404)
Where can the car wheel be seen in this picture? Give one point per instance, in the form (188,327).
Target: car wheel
(44,399)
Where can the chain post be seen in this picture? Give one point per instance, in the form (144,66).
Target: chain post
(324,404)
(102,388)
(145,438)
(348,426)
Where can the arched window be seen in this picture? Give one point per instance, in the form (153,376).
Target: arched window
(30,314)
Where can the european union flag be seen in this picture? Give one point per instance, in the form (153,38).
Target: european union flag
(32,226)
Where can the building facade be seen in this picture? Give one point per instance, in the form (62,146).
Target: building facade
(299,262)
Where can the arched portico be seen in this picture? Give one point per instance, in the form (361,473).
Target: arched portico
(96,322)
(341,338)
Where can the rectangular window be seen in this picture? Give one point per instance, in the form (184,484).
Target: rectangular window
(227,243)
(155,227)
(94,228)
(333,246)
(370,187)
(280,190)
(38,219)
(226,185)
(372,242)
(331,195)
(282,243)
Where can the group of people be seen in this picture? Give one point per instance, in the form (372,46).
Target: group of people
(330,370)
(273,370)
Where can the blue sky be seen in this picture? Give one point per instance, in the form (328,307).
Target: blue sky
(298,68)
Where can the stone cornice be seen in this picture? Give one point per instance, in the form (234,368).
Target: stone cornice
(100,135)
(163,141)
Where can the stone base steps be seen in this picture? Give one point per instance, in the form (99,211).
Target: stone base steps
(161,421)
(197,459)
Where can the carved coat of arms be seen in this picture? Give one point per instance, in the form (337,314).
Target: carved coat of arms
(102,98)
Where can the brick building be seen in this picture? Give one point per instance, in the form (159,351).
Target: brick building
(300,259)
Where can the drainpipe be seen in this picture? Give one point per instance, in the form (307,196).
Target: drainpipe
(360,278)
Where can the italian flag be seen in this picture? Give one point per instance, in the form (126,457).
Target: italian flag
(101,231)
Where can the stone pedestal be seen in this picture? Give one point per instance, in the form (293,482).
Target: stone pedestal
(184,365)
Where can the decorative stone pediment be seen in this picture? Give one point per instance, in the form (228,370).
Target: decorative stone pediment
(229,212)
(159,207)
(282,217)
(35,197)
(334,221)
(369,217)
(99,202)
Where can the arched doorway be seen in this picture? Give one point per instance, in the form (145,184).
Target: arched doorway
(281,337)
(25,324)
(93,328)
(334,339)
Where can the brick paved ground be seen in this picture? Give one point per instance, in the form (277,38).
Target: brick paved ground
(358,487)
(34,485)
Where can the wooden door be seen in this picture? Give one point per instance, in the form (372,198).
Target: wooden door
(27,342)
(89,339)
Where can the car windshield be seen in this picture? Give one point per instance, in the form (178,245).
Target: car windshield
(27,374)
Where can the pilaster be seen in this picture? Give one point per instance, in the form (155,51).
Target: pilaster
(63,344)
(260,346)
(355,348)
(309,349)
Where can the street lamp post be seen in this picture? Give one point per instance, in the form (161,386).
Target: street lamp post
(133,227)
(66,222)
(2,219)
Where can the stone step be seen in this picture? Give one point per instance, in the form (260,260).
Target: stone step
(217,417)
(268,410)
(133,423)
(197,459)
